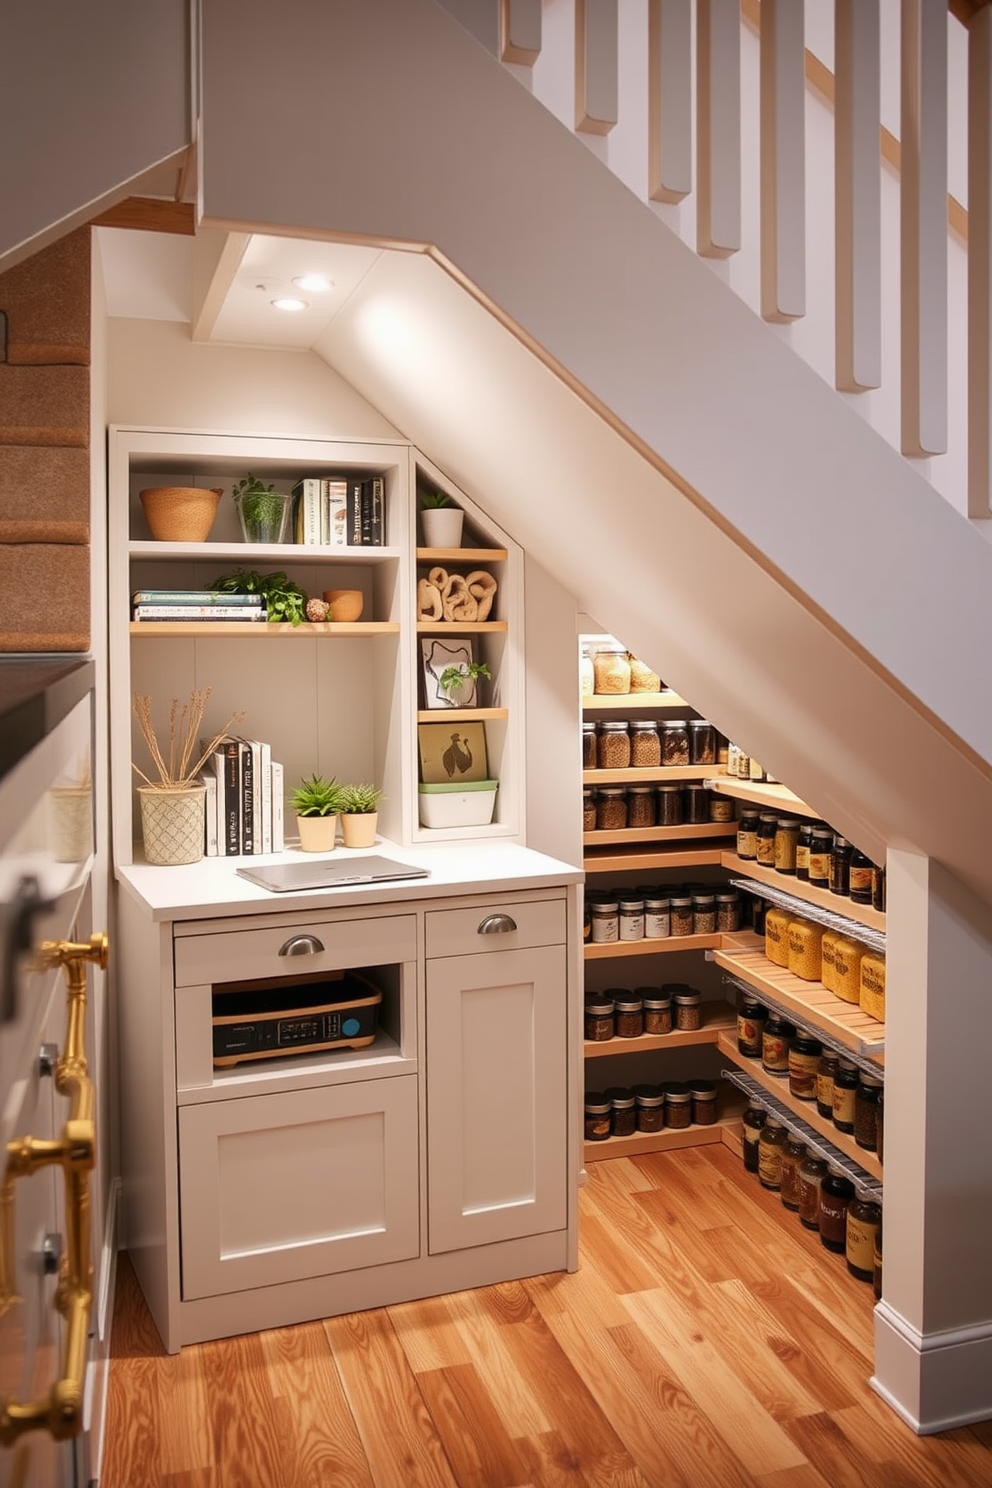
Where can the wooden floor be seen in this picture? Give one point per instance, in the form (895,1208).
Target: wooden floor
(707,1339)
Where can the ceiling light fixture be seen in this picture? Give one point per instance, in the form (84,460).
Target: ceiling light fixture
(289,302)
(314,283)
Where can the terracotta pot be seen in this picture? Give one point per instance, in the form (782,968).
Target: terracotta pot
(317,833)
(345,604)
(172,824)
(180,513)
(358,828)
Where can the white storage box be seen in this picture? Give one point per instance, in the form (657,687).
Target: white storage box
(458,803)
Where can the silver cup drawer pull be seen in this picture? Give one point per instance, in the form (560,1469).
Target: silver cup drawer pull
(497,924)
(301,945)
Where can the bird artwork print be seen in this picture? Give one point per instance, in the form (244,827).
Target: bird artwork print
(457,758)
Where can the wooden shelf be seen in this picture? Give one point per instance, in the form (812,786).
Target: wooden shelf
(281,553)
(844,1022)
(773,797)
(778,1086)
(461,555)
(657,834)
(665,946)
(634,859)
(667,1140)
(617,701)
(718,1019)
(260,628)
(458,627)
(645,775)
(460,715)
(787,883)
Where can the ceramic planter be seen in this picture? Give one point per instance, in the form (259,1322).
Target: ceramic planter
(172,824)
(442,526)
(358,828)
(317,833)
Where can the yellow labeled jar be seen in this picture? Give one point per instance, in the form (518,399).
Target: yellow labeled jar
(848,956)
(777,936)
(828,959)
(804,941)
(872,996)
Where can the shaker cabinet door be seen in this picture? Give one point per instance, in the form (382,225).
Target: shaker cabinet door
(496,1096)
(306,1183)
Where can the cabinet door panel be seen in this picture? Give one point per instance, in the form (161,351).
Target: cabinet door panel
(496,1103)
(299,1184)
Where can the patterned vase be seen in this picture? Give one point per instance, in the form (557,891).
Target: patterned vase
(172,824)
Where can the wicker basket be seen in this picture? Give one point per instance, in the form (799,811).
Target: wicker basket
(180,513)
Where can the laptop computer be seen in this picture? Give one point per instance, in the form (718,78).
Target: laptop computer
(330,873)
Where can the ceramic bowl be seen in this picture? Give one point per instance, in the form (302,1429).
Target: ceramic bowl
(345,604)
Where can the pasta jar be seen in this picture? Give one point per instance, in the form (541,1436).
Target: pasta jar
(804,949)
(864,1220)
(688,1011)
(747,834)
(702,742)
(767,827)
(872,996)
(631,919)
(775,1041)
(695,802)
(866,1104)
(641,810)
(605,921)
(751,1019)
(792,1157)
(771,1145)
(812,1172)
(611,808)
(845,1093)
(777,936)
(703,1094)
(804,1061)
(645,745)
(657,917)
(752,1120)
(598,1111)
(657,1013)
(623,1111)
(599,1019)
(704,914)
(668,805)
(820,854)
(836,1193)
(611,672)
(786,844)
(680,906)
(674,742)
(728,911)
(678,1104)
(589,747)
(613,746)
(629,1016)
(650,1108)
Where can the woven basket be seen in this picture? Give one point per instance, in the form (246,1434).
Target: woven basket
(180,513)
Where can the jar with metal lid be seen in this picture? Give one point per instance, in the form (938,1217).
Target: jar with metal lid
(786,844)
(826,1073)
(804,1061)
(623,1111)
(775,1041)
(678,1104)
(704,914)
(613,745)
(702,742)
(728,911)
(812,1172)
(611,671)
(657,1012)
(722,808)
(597,1111)
(605,915)
(587,676)
(859,876)
(680,907)
(598,1018)
(777,936)
(747,834)
(753,1120)
(657,917)
(751,1018)
(590,758)
(864,1219)
(668,804)
(629,1015)
(703,1094)
(836,1193)
(611,808)
(793,1154)
(804,949)
(803,841)
(820,853)
(846,1082)
(866,1100)
(641,809)
(771,1145)
(588,809)
(688,1011)
(674,742)
(767,827)
(695,803)
(645,744)
(650,1108)
(840,867)
(872,997)
(631,919)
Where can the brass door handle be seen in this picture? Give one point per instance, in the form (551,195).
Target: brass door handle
(61,1410)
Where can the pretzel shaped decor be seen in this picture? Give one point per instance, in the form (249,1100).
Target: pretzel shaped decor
(455,598)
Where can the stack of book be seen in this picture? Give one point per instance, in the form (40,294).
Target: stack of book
(244,800)
(343,512)
(195,604)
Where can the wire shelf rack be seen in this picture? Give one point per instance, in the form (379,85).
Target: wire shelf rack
(874,939)
(864,1061)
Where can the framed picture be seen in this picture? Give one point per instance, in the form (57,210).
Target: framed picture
(450,751)
(438,655)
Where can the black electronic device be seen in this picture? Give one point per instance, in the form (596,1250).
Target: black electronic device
(271,1017)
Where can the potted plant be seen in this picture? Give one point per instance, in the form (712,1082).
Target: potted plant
(459,682)
(440,521)
(172,814)
(283,598)
(317,802)
(263,510)
(359,814)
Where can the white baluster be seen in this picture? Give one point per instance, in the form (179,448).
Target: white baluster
(520,31)
(596,85)
(857,176)
(923,225)
(783,161)
(979,262)
(718,127)
(669,99)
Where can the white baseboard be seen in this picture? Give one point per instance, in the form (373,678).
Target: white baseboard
(98,1367)
(934,1381)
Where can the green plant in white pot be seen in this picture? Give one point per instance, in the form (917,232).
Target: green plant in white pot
(359,814)
(317,802)
(440,520)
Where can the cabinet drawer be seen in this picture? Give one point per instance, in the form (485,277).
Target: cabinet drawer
(461,932)
(234,955)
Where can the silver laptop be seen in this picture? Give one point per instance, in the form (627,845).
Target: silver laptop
(330,873)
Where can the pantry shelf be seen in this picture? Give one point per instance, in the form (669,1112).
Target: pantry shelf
(668,1140)
(835,911)
(646,775)
(461,555)
(258,629)
(614,949)
(773,797)
(871,1064)
(460,715)
(716,1021)
(655,834)
(634,859)
(623,702)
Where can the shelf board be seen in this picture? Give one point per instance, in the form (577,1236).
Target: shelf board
(776,797)
(461,555)
(778,1086)
(273,552)
(811,1002)
(615,701)
(718,1019)
(258,628)
(645,775)
(787,883)
(658,834)
(667,1140)
(460,715)
(636,858)
(461,627)
(606,951)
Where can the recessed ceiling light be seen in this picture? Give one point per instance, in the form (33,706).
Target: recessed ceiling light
(289,302)
(314,283)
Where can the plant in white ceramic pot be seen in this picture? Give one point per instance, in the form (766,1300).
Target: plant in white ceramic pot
(359,814)
(317,802)
(172,815)
(440,520)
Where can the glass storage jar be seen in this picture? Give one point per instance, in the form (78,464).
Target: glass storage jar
(611,672)
(613,746)
(820,853)
(751,1019)
(840,867)
(669,805)
(598,1019)
(695,803)
(678,1104)
(747,834)
(680,906)
(804,1061)
(645,744)
(587,676)
(721,808)
(872,996)
(631,919)
(803,841)
(629,1012)
(657,917)
(848,956)
(611,808)
(598,1111)
(864,1220)
(641,809)
(588,809)
(642,677)
(623,1111)
(702,742)
(728,911)
(859,877)
(786,844)
(753,1120)
(704,914)
(650,1108)
(846,1082)
(605,917)
(771,1145)
(792,1157)
(812,1172)
(804,938)
(777,936)
(775,1040)
(866,1104)
(836,1193)
(657,1013)
(767,827)
(590,757)
(703,1094)
(674,742)
(688,1011)
(826,1073)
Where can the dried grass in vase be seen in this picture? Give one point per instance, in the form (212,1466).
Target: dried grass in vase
(186,756)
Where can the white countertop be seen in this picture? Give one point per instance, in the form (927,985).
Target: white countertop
(212,887)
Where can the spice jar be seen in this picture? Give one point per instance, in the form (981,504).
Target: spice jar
(704,914)
(680,906)
(845,1091)
(623,1111)
(820,854)
(804,949)
(747,834)
(728,911)
(872,997)
(611,808)
(674,742)
(840,867)
(611,671)
(703,1094)
(812,1172)
(645,744)
(866,1101)
(657,1013)
(753,1120)
(599,1019)
(786,844)
(605,914)
(859,877)
(767,828)
(803,841)
(587,676)
(793,1154)
(589,747)
(826,1073)
(629,1015)
(722,808)
(678,1104)
(771,1145)
(598,1111)
(695,802)
(864,1219)
(688,1011)
(613,746)
(631,919)
(775,1041)
(657,917)
(702,742)
(777,936)
(588,809)
(751,1019)
(650,1108)
(641,806)
(668,805)
(836,1193)
(804,1061)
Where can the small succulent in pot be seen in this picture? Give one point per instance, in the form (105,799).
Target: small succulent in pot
(317,796)
(359,799)
(431,500)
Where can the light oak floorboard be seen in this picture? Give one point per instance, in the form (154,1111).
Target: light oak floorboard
(707,1341)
